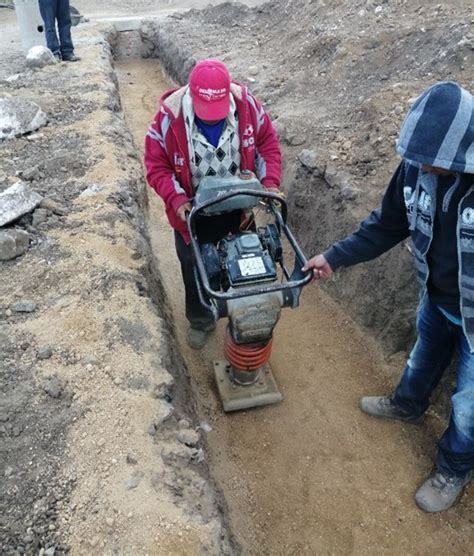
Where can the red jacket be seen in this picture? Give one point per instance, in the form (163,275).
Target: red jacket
(167,158)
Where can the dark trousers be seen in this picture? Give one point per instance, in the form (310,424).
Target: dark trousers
(198,316)
(209,230)
(437,340)
(52,11)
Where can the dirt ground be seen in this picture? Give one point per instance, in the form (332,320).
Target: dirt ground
(312,475)
(93,469)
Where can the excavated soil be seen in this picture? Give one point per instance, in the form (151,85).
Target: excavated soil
(312,475)
(103,451)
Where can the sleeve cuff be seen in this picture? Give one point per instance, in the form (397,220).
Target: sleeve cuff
(178,201)
(332,258)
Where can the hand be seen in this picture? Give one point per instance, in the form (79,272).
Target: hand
(182,210)
(321,268)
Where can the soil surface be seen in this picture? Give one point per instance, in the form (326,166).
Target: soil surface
(312,475)
(103,450)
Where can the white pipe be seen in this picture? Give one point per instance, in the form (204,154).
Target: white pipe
(30,24)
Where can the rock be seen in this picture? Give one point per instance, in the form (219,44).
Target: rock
(8,471)
(110,521)
(51,551)
(188,436)
(31,174)
(253,70)
(309,158)
(44,352)
(16,201)
(40,57)
(19,116)
(131,459)
(133,481)
(40,215)
(24,306)
(51,205)
(13,243)
(349,193)
(52,386)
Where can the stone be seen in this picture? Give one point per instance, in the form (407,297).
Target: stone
(349,193)
(16,201)
(188,436)
(51,205)
(133,481)
(30,174)
(52,386)
(8,471)
(13,243)
(308,158)
(19,116)
(40,215)
(24,306)
(44,352)
(40,57)
(253,70)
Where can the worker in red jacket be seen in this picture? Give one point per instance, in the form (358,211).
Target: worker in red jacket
(212,126)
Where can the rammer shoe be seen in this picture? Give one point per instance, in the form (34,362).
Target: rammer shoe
(385,408)
(197,338)
(440,491)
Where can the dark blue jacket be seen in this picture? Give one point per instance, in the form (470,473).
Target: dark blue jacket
(438,131)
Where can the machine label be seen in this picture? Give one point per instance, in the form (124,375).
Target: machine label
(252,266)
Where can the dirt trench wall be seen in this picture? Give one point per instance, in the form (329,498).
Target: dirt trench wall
(101,449)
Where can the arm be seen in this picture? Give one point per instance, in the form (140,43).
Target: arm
(159,169)
(268,148)
(379,232)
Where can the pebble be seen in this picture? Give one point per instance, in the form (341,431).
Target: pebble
(8,471)
(44,352)
(188,437)
(53,387)
(24,306)
(110,521)
(118,381)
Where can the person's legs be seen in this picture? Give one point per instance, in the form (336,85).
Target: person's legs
(456,446)
(64,28)
(198,316)
(48,13)
(428,360)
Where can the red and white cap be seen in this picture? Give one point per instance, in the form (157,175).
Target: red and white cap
(209,83)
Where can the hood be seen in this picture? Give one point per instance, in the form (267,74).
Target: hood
(439,129)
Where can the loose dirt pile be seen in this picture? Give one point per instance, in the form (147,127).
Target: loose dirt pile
(101,450)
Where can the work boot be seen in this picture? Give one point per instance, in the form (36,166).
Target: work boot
(440,491)
(197,337)
(385,408)
(70,58)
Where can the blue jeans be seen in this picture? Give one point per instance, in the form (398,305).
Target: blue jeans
(437,339)
(52,10)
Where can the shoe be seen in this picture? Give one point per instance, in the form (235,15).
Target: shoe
(58,56)
(385,408)
(440,491)
(70,58)
(197,338)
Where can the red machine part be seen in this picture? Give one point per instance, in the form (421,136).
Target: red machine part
(246,357)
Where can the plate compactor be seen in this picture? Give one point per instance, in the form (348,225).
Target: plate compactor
(243,277)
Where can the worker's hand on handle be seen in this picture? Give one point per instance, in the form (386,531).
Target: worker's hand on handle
(182,210)
(320,267)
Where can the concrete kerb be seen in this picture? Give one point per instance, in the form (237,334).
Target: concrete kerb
(110,234)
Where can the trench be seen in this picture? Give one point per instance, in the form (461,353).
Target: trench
(311,475)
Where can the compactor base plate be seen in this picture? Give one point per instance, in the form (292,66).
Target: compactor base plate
(235,397)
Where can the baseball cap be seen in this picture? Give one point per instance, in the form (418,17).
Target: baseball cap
(209,83)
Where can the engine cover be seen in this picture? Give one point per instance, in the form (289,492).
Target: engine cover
(246,261)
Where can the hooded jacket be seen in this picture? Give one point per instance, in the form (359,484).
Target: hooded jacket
(167,158)
(438,131)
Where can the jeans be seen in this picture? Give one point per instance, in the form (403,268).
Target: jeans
(52,10)
(437,339)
